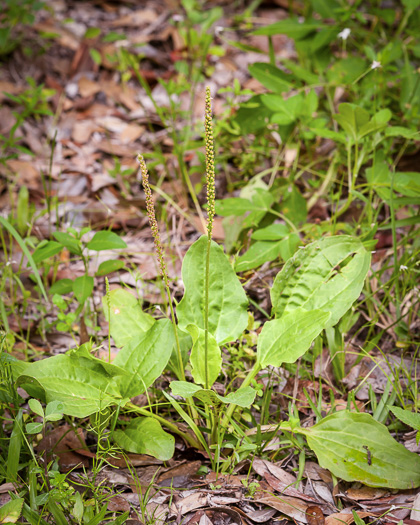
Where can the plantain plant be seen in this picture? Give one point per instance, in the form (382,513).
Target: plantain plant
(311,293)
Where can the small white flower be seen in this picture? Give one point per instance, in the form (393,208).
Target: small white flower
(178,18)
(403,268)
(218,30)
(375,65)
(344,34)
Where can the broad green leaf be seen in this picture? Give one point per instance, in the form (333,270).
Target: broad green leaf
(200,365)
(46,250)
(325,275)
(329,134)
(228,315)
(263,200)
(259,253)
(34,428)
(234,206)
(274,232)
(252,115)
(398,131)
(244,397)
(83,288)
(294,205)
(105,240)
(144,435)
(326,8)
(145,357)
(285,110)
(355,447)
(185,343)
(108,267)
(36,407)
(61,287)
(82,383)
(270,77)
(127,319)
(412,419)
(286,339)
(346,70)
(291,27)
(10,511)
(68,241)
(54,411)
(352,118)
(411,4)
(377,122)
(300,72)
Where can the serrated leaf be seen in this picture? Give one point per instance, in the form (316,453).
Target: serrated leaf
(412,419)
(228,315)
(286,339)
(127,319)
(10,511)
(145,358)
(199,362)
(355,447)
(106,240)
(244,397)
(144,435)
(83,288)
(326,275)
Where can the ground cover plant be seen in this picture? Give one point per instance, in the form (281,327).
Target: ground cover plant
(209,263)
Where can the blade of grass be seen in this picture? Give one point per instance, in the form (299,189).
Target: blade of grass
(25,250)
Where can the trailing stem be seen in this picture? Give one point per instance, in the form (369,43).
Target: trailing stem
(210,203)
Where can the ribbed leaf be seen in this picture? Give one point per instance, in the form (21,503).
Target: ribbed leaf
(126,317)
(144,435)
(286,339)
(326,275)
(355,447)
(145,357)
(81,382)
(198,360)
(228,315)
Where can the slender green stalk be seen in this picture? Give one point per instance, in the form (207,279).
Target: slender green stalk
(211,194)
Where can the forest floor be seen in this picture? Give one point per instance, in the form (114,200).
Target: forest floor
(88,87)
